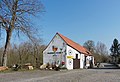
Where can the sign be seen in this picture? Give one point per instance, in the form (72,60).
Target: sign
(54,52)
(70,52)
(70,57)
(70,62)
(54,48)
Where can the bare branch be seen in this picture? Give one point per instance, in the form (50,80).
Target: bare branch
(15,15)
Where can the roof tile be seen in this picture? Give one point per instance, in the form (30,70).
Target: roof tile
(75,45)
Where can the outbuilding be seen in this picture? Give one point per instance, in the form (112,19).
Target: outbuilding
(63,50)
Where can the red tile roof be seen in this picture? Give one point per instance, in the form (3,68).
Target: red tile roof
(75,45)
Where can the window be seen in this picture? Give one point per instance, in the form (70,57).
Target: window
(76,56)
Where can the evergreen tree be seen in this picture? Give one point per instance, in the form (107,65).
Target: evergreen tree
(115,50)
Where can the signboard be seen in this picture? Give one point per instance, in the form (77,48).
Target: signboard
(69,57)
(54,52)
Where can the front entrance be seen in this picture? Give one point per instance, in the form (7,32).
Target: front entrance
(76,63)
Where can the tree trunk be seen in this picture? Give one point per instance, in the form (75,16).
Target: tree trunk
(115,59)
(7,43)
(20,57)
(36,62)
(9,33)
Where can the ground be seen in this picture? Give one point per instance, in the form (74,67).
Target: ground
(106,73)
(85,75)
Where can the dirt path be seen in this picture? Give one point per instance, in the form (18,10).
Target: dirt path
(90,75)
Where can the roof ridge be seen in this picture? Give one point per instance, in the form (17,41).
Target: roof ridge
(69,39)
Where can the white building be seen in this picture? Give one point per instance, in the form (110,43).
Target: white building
(62,49)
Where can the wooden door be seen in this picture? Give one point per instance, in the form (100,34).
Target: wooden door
(76,63)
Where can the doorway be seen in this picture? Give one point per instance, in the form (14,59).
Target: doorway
(76,63)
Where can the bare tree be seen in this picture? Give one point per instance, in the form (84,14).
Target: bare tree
(90,45)
(15,16)
(101,52)
(101,49)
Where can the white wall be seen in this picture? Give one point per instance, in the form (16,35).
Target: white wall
(73,53)
(90,59)
(58,42)
(93,61)
(82,60)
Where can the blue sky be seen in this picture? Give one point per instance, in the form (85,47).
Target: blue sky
(81,20)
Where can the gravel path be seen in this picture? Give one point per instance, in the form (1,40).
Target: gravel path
(89,75)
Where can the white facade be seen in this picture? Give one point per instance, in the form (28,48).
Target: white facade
(48,54)
(72,52)
(64,53)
